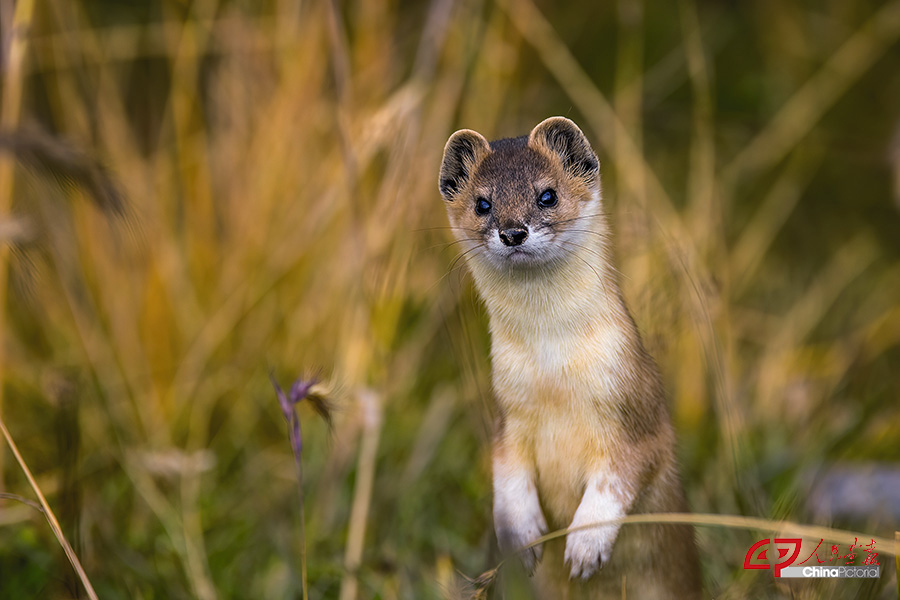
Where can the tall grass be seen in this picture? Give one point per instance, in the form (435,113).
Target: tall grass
(280,165)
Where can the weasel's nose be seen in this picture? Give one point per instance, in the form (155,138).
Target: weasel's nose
(513,237)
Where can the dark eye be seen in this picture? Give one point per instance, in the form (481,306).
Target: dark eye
(482,206)
(547,199)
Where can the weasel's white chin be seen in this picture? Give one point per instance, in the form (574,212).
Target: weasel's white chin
(517,258)
(521,256)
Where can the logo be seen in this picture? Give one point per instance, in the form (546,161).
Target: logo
(788,549)
(762,546)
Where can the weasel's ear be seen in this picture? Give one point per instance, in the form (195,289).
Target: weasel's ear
(464,150)
(561,137)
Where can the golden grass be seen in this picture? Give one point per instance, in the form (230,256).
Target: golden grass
(10,111)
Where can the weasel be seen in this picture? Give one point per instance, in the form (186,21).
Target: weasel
(583,433)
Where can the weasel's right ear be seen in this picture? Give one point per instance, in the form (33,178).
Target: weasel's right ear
(464,150)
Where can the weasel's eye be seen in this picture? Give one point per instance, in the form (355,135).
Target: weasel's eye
(482,206)
(547,199)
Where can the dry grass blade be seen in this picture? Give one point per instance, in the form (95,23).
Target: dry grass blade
(885,546)
(612,134)
(46,154)
(735,522)
(481,585)
(850,260)
(705,217)
(180,533)
(23,500)
(370,408)
(51,518)
(758,234)
(192,530)
(10,108)
(807,106)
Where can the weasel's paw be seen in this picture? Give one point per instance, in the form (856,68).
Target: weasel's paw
(518,529)
(589,549)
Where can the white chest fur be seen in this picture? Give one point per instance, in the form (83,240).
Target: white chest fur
(559,351)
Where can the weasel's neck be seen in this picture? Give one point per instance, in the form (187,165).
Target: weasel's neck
(578,294)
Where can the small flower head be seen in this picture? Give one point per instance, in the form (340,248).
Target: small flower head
(301,389)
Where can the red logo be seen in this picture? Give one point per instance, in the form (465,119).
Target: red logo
(757,552)
(757,558)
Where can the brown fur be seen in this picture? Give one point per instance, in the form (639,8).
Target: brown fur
(584,426)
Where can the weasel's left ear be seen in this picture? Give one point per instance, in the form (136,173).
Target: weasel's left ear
(464,150)
(561,137)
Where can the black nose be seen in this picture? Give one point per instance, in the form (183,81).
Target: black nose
(513,237)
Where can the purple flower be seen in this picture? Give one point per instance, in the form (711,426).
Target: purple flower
(300,390)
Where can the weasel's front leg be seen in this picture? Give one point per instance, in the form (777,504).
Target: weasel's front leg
(606,498)
(518,519)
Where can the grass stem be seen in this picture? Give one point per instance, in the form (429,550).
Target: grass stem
(10,110)
(370,404)
(48,512)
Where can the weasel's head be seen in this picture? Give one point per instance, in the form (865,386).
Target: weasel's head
(523,202)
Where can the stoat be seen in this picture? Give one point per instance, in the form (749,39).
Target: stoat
(583,433)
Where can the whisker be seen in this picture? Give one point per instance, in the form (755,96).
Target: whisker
(448,244)
(456,261)
(449,272)
(461,255)
(599,278)
(586,248)
(601,257)
(444,227)
(601,234)
(608,263)
(561,221)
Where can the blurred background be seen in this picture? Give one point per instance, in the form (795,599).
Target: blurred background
(194,194)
